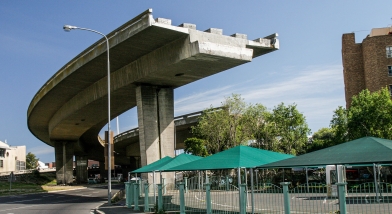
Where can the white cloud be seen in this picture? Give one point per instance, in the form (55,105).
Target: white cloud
(41,150)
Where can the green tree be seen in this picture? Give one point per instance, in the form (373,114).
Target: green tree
(258,127)
(222,128)
(31,161)
(237,123)
(338,125)
(195,146)
(291,130)
(321,139)
(370,114)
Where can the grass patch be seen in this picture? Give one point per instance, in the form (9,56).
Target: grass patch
(32,183)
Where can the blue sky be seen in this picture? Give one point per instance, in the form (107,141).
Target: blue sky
(307,70)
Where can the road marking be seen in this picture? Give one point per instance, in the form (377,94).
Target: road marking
(16,208)
(13,202)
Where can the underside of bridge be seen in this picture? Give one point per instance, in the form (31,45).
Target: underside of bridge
(149,58)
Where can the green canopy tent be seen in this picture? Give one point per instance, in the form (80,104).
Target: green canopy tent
(152,166)
(179,160)
(236,157)
(362,151)
(366,150)
(165,163)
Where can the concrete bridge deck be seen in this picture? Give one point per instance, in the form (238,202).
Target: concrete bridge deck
(71,107)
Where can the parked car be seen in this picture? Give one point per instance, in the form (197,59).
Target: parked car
(92,181)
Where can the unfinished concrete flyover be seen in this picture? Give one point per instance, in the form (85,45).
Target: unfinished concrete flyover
(149,58)
(127,144)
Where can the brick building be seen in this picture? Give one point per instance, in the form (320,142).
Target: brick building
(367,65)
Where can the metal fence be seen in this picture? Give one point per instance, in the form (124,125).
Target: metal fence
(215,195)
(314,198)
(267,198)
(369,198)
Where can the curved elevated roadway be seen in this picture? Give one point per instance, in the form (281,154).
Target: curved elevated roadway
(71,107)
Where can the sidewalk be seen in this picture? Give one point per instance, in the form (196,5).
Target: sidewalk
(117,208)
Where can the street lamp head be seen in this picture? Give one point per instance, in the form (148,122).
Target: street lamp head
(68,28)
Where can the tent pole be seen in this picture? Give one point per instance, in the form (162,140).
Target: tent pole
(379,178)
(239,187)
(375,181)
(307,179)
(251,186)
(199,180)
(246,176)
(246,182)
(153,181)
(257,184)
(238,177)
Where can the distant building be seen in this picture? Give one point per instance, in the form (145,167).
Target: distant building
(367,65)
(12,158)
(42,165)
(51,165)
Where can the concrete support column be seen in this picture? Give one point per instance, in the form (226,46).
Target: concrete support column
(102,172)
(81,169)
(64,162)
(155,108)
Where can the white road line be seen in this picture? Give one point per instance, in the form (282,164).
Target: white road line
(13,202)
(16,208)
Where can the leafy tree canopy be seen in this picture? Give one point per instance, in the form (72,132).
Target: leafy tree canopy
(31,161)
(370,114)
(284,129)
(195,146)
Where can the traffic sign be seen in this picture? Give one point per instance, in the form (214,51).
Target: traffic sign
(11,177)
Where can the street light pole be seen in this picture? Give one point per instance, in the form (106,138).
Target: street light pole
(68,28)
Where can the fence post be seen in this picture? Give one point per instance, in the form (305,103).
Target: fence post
(182,198)
(164,185)
(286,197)
(160,201)
(342,197)
(131,194)
(140,187)
(186,184)
(146,196)
(136,196)
(208,198)
(243,195)
(128,192)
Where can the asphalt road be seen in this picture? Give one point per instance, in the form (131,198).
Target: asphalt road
(72,201)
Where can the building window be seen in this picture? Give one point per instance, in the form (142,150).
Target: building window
(2,153)
(389,51)
(1,163)
(20,165)
(390,70)
(390,90)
